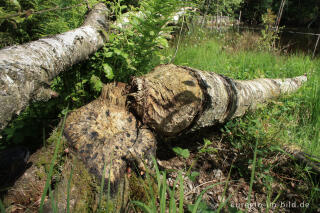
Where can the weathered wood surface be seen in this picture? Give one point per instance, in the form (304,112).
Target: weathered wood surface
(105,131)
(26,70)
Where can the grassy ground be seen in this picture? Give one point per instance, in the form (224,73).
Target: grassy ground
(293,120)
(248,165)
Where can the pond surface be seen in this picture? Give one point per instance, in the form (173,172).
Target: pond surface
(300,40)
(294,40)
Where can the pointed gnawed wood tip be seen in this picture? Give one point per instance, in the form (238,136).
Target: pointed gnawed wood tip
(114,94)
(289,85)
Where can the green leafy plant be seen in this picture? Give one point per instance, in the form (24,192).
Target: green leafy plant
(269,36)
(181,152)
(206,148)
(135,43)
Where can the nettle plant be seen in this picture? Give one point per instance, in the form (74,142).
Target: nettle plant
(135,41)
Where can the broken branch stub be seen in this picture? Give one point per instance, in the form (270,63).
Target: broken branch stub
(173,99)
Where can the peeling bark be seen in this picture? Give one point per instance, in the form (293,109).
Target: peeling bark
(26,70)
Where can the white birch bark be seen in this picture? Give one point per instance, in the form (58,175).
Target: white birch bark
(174,99)
(26,69)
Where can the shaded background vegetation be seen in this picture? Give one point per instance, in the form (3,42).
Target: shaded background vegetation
(296,13)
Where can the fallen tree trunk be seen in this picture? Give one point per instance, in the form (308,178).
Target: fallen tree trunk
(26,70)
(175,99)
(120,128)
(171,100)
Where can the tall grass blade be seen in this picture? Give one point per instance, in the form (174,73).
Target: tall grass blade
(172,202)
(53,203)
(142,206)
(158,175)
(224,193)
(252,173)
(224,203)
(162,194)
(55,155)
(181,191)
(102,183)
(68,191)
(2,207)
(196,205)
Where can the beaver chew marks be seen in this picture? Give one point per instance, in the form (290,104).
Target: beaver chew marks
(168,99)
(104,131)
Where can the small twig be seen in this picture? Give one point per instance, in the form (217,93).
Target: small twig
(211,181)
(179,38)
(282,177)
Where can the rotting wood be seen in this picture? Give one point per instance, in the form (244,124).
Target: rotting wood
(26,70)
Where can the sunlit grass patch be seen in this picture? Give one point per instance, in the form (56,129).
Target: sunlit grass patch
(290,119)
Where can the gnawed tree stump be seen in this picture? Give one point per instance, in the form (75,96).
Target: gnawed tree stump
(105,131)
(122,125)
(169,101)
(25,195)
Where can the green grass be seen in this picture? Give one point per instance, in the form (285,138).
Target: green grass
(2,209)
(165,199)
(158,199)
(53,162)
(291,119)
